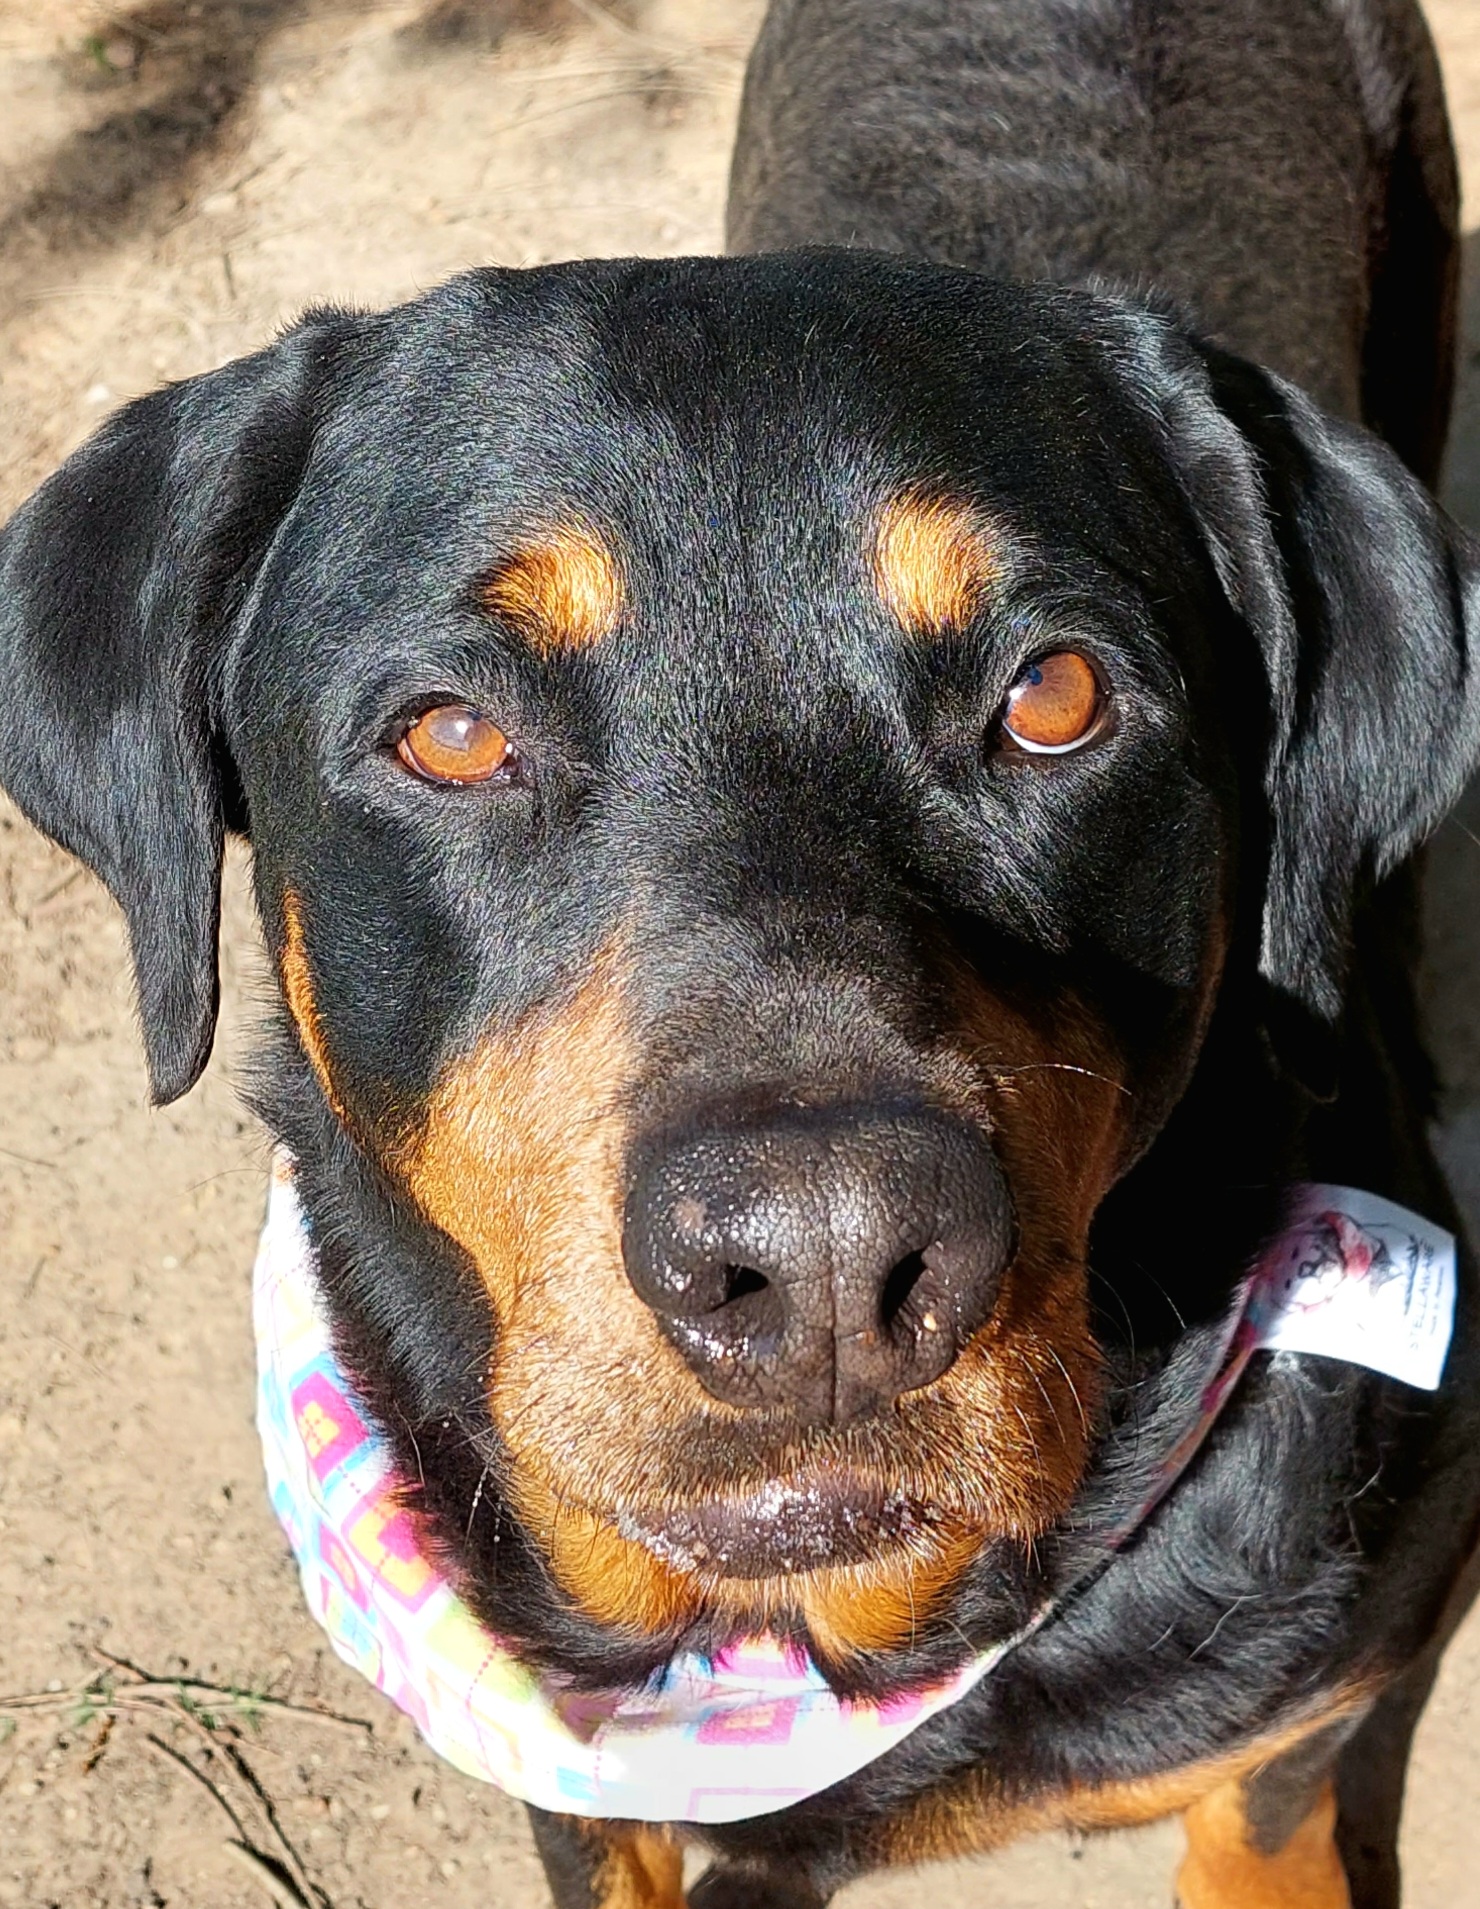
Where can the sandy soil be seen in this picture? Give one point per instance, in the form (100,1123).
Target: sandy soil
(175,180)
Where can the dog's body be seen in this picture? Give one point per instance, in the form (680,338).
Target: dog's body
(892,1166)
(1282,172)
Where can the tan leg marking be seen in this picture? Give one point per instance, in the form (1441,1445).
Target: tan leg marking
(1224,1870)
(641,1868)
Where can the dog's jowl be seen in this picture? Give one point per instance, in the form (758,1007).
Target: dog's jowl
(835,827)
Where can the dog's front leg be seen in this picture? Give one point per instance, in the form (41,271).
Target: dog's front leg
(593,1864)
(1268,1839)
(1229,1865)
(755,1886)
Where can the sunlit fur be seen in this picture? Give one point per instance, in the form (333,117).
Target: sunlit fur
(639,1866)
(934,561)
(298,988)
(560,592)
(969,1815)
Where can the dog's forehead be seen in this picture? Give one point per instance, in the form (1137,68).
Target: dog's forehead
(730,402)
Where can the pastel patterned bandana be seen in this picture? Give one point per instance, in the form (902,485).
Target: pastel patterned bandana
(717,1739)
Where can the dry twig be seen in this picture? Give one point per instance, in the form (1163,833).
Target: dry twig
(268,1876)
(213,1714)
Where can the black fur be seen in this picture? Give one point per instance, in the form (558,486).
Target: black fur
(216,613)
(1283,170)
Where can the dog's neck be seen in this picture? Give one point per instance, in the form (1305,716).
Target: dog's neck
(739,1732)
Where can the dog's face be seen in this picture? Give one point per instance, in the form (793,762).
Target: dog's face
(756,773)
(745,849)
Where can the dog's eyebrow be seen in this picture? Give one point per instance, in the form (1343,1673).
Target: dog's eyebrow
(934,559)
(562,591)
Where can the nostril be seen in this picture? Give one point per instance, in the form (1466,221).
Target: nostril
(900,1286)
(741,1281)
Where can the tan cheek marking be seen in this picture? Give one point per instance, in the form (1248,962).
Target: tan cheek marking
(518,1160)
(1024,1394)
(881,1606)
(1223,1870)
(518,1133)
(614,1580)
(933,563)
(867,1607)
(563,593)
(298,987)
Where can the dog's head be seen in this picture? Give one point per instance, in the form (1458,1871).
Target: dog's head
(760,776)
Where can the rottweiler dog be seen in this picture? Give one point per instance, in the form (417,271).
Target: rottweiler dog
(836,827)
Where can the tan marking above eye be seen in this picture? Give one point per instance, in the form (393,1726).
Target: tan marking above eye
(455,743)
(1055,705)
(933,562)
(563,592)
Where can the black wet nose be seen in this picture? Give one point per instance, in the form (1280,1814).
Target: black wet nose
(820,1260)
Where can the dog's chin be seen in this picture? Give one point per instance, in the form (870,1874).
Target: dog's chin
(785,1528)
(866,1578)
(861,1567)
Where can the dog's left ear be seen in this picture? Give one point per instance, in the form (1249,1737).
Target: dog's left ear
(1364,599)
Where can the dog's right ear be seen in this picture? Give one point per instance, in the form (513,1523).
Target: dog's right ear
(119,582)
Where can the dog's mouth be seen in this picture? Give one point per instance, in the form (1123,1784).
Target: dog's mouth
(785,1528)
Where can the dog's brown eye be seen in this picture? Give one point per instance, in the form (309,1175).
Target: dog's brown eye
(1055,704)
(453,743)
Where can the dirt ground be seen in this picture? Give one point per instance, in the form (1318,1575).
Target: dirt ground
(176,180)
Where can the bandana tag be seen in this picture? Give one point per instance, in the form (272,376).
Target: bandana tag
(1355,1277)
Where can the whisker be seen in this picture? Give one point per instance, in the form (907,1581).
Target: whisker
(1058,1423)
(1073,1390)
(1060,1067)
(1032,1435)
(1176,1310)
(477,1500)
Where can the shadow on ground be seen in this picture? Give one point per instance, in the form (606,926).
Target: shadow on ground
(181,72)
(173,80)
